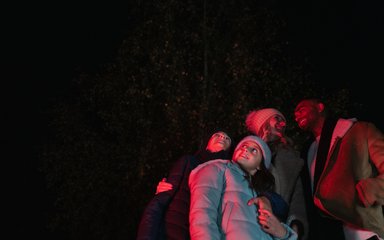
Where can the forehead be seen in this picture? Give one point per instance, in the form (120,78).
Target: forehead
(250,143)
(305,103)
(219,133)
(277,116)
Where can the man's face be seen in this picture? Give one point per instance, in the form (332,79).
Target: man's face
(306,114)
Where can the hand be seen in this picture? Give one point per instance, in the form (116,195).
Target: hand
(163,186)
(296,229)
(261,203)
(271,224)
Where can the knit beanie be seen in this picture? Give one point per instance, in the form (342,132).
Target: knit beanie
(256,119)
(264,148)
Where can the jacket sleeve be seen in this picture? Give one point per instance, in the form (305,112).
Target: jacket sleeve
(153,215)
(278,204)
(297,213)
(206,185)
(177,172)
(149,226)
(371,190)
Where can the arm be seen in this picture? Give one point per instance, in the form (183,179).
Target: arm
(297,217)
(371,190)
(278,204)
(206,186)
(269,222)
(272,225)
(153,216)
(175,176)
(154,211)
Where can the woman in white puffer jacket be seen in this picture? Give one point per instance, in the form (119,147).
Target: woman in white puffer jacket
(220,190)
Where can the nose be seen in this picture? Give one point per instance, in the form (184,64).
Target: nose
(297,115)
(245,149)
(223,137)
(296,118)
(282,123)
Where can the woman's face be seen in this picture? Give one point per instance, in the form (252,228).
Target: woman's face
(249,156)
(273,129)
(219,141)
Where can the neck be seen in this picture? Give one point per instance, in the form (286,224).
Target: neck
(318,127)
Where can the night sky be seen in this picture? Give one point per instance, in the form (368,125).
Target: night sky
(47,46)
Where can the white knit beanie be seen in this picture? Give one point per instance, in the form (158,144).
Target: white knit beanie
(264,148)
(256,119)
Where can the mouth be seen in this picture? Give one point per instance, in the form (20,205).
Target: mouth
(302,122)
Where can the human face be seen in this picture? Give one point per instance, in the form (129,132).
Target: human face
(307,114)
(249,156)
(273,129)
(219,141)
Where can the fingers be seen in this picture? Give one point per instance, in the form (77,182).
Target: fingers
(265,221)
(264,215)
(253,201)
(265,203)
(163,186)
(262,203)
(265,212)
(271,224)
(265,218)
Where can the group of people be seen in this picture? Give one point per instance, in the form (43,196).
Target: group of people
(267,190)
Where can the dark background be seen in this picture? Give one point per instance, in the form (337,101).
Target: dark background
(46,47)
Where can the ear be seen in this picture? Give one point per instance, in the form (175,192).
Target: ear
(320,107)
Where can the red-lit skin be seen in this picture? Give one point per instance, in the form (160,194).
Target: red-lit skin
(270,223)
(273,129)
(249,156)
(310,116)
(219,141)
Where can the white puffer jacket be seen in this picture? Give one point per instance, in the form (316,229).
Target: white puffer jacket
(219,210)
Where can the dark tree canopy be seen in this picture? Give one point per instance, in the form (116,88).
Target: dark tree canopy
(184,68)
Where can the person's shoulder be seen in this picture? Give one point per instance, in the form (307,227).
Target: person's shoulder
(288,156)
(217,163)
(288,150)
(209,171)
(367,125)
(185,157)
(183,160)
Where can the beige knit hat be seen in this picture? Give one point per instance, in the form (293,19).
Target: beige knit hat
(256,118)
